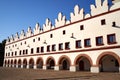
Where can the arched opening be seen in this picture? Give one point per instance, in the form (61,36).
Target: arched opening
(31,63)
(83,64)
(39,63)
(24,63)
(11,63)
(64,63)
(15,63)
(8,63)
(5,63)
(50,63)
(19,63)
(108,63)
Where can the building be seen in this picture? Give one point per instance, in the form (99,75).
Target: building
(86,42)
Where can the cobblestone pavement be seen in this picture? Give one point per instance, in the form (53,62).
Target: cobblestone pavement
(37,74)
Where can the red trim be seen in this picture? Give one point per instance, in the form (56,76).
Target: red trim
(107,53)
(71,51)
(68,24)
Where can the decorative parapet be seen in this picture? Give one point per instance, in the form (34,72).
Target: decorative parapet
(100,7)
(29,32)
(16,36)
(60,21)
(22,34)
(37,29)
(77,15)
(12,38)
(47,26)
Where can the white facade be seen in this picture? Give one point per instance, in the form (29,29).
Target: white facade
(88,42)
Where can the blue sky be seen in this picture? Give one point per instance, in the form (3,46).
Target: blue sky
(17,15)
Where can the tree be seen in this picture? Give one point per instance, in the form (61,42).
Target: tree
(2,51)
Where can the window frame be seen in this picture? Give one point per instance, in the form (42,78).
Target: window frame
(76,44)
(101,41)
(86,42)
(67,45)
(113,37)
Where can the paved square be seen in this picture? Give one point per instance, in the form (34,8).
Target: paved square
(32,74)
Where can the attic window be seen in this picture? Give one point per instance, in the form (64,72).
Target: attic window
(103,22)
(81,27)
(64,32)
(51,35)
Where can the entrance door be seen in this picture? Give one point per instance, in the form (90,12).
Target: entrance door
(64,65)
(81,65)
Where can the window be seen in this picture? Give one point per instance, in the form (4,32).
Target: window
(26,51)
(25,42)
(82,27)
(111,39)
(33,40)
(54,47)
(67,45)
(64,32)
(99,41)
(51,35)
(20,52)
(37,50)
(23,51)
(87,43)
(78,44)
(12,54)
(48,48)
(15,53)
(39,39)
(42,49)
(103,22)
(21,43)
(61,46)
(32,50)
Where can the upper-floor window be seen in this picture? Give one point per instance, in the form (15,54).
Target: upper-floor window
(64,32)
(51,35)
(78,44)
(32,50)
(81,27)
(42,49)
(39,39)
(12,54)
(103,22)
(26,51)
(23,51)
(61,46)
(25,42)
(54,47)
(15,53)
(33,40)
(113,24)
(20,52)
(87,43)
(67,45)
(99,40)
(111,39)
(48,48)
(37,50)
